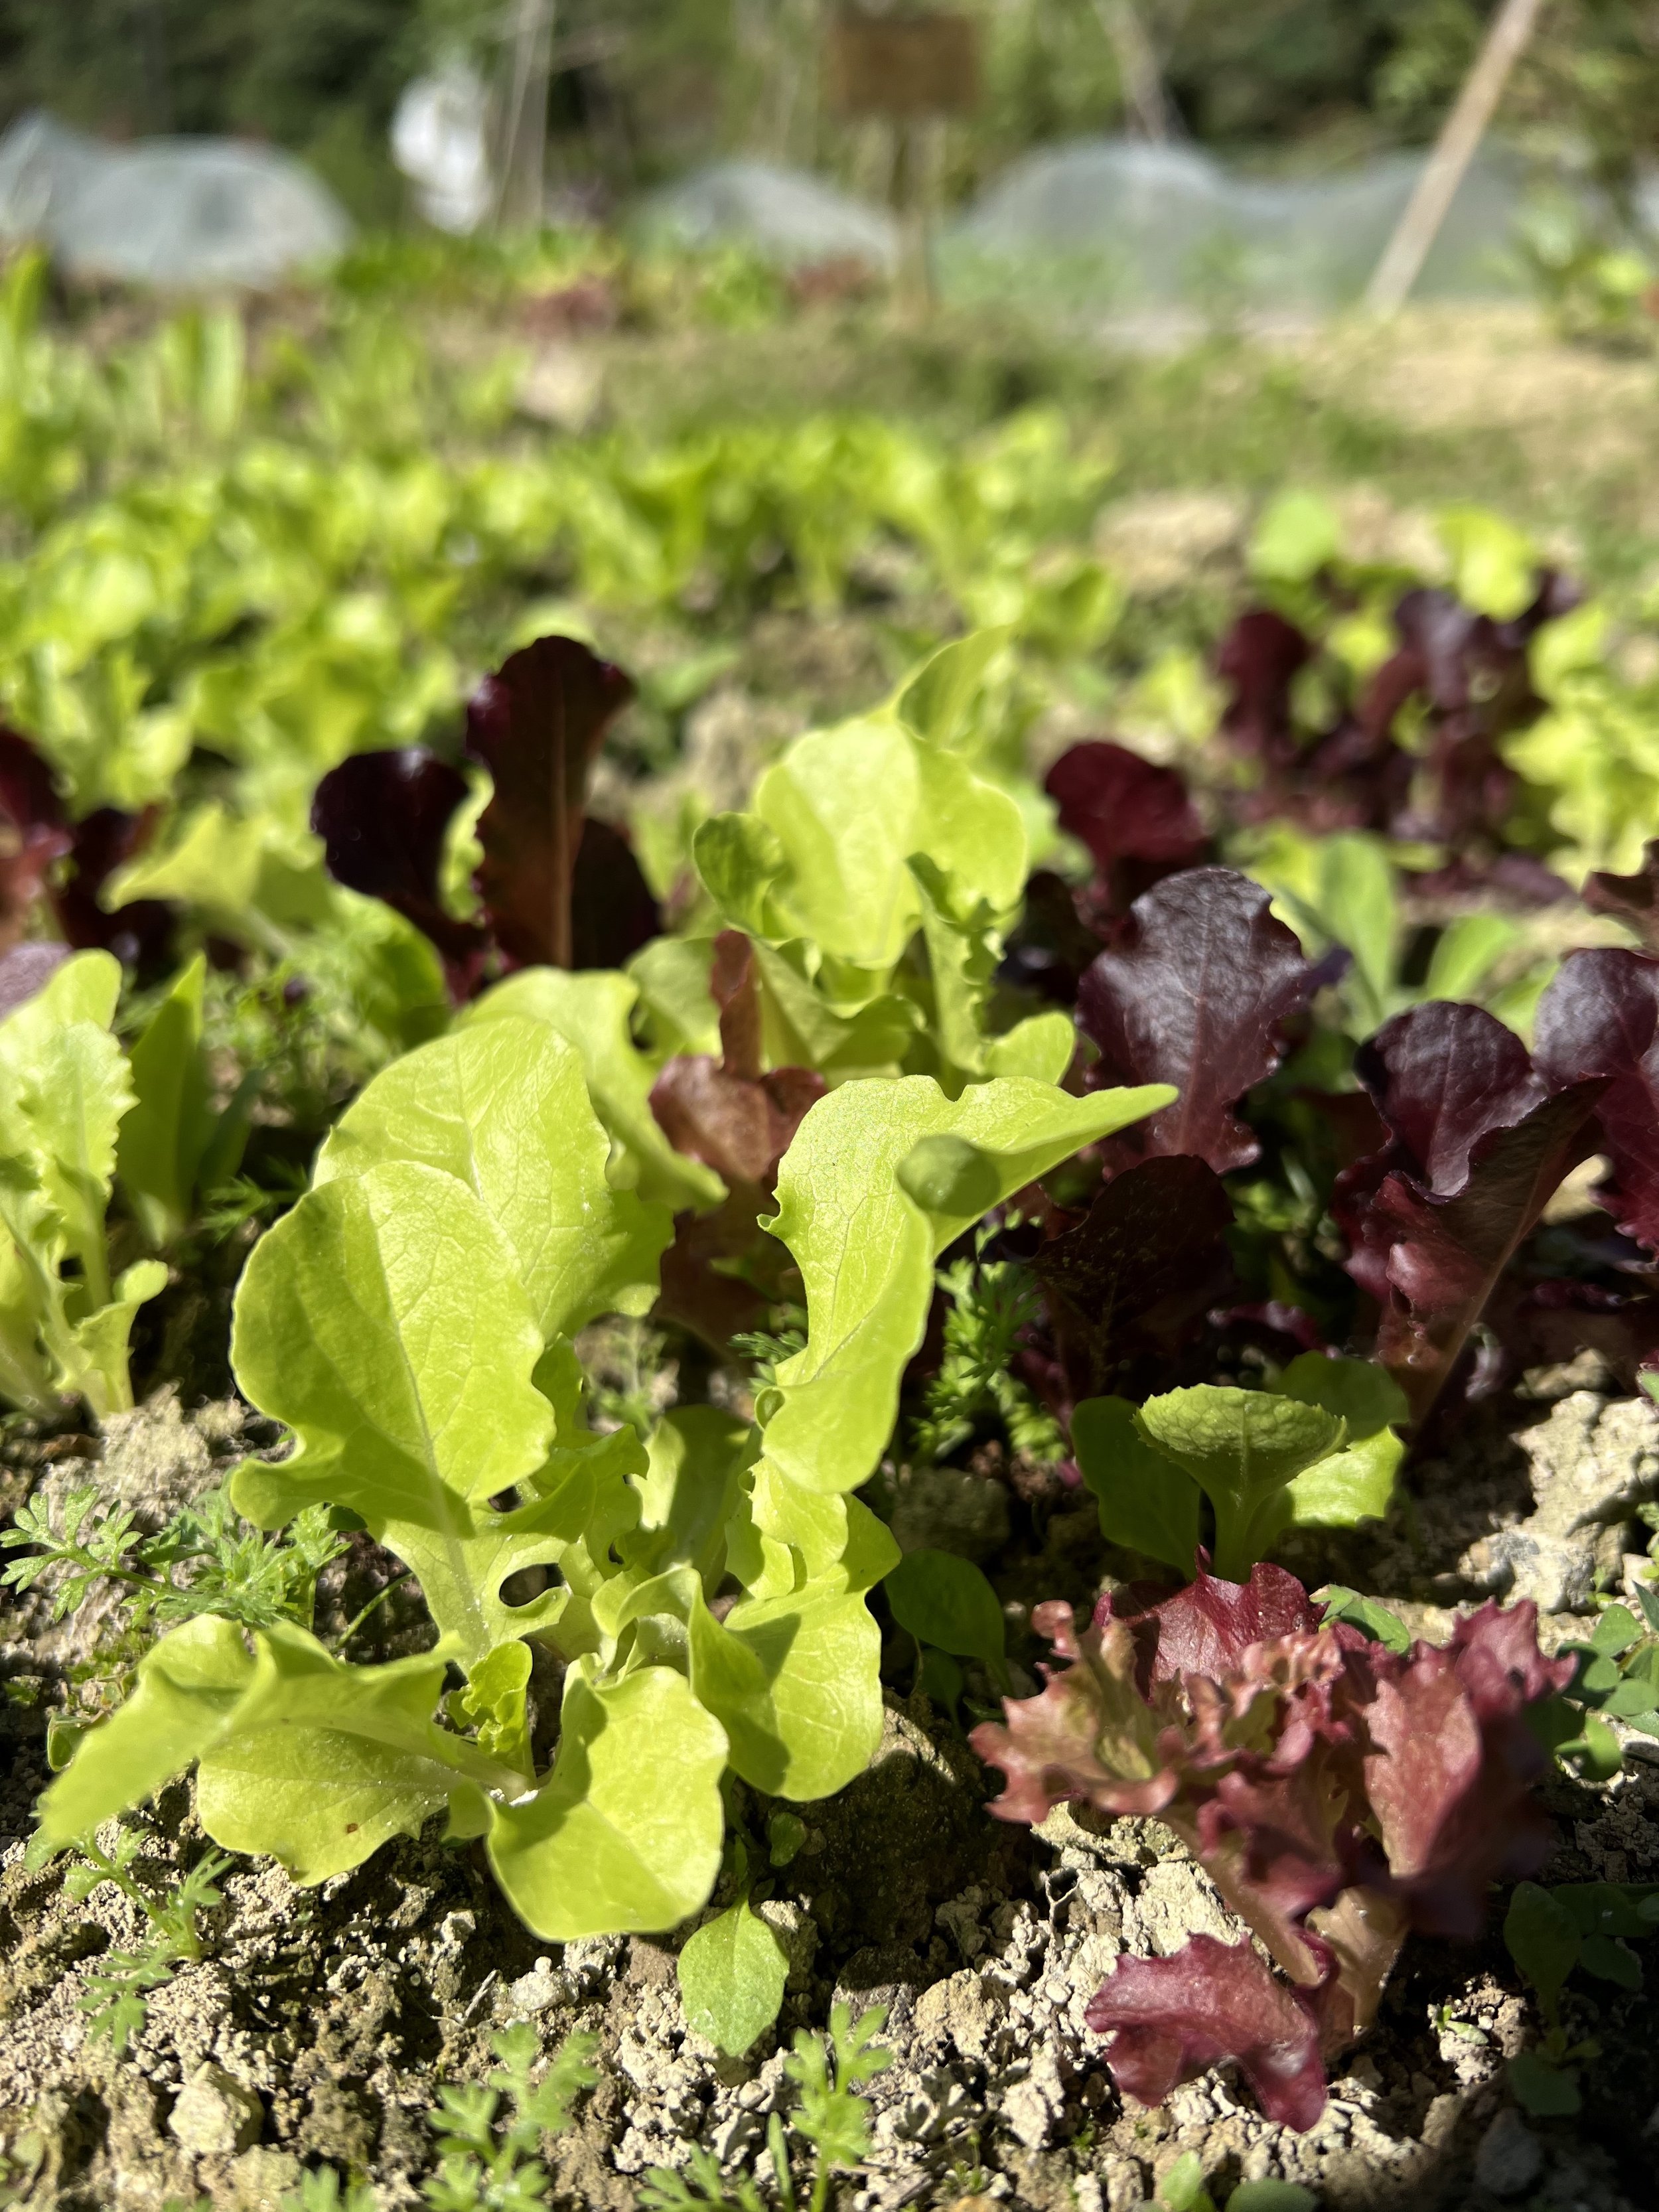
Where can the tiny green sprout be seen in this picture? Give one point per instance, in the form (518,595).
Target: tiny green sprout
(830,2119)
(991,1302)
(206,1560)
(785,1835)
(120,1985)
(322,2191)
(488,2160)
(1549,1933)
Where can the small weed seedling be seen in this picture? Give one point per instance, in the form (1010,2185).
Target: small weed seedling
(1549,1933)
(231,1568)
(118,1986)
(490,2162)
(1618,1679)
(1183,2190)
(830,2119)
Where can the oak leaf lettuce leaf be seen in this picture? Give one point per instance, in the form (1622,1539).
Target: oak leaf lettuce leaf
(880,1178)
(65,1087)
(503,1107)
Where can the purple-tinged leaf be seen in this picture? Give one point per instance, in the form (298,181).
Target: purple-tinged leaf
(38,831)
(1337,1792)
(140,934)
(1192,991)
(613,912)
(1476,1149)
(1445,1254)
(728,1113)
(1090,1734)
(1051,944)
(1206,1628)
(1261,657)
(26,969)
(1442,1077)
(383,818)
(1452,1766)
(1170,2018)
(1633,899)
(537,725)
(1137,819)
(1138,1273)
(1600,1017)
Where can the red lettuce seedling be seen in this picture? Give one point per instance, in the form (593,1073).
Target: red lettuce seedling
(69,863)
(1136,818)
(1600,1017)
(1469,672)
(556,887)
(719,1277)
(537,725)
(1477,1144)
(1261,657)
(383,818)
(1192,991)
(1133,1279)
(1633,899)
(1338,1794)
(727,1112)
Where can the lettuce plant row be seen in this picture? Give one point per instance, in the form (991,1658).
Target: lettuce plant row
(1250,1246)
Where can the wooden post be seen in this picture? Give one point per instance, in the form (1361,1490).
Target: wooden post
(523,125)
(1137,68)
(1447,166)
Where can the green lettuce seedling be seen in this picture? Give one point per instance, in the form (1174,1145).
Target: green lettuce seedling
(858,841)
(410,1321)
(1315,1450)
(65,1086)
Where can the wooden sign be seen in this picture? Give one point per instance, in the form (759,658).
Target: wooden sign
(904,67)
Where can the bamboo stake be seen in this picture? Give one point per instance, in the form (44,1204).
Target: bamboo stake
(1137,66)
(524,139)
(1447,166)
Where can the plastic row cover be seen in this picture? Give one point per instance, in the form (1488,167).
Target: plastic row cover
(185,212)
(1118,223)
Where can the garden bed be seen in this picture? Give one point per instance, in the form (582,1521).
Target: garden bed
(318,2025)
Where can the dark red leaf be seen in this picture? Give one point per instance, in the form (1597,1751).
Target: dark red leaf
(1136,1275)
(1442,1077)
(37,831)
(1261,657)
(1476,1149)
(537,725)
(1453,1766)
(1170,2018)
(1600,1017)
(1137,819)
(613,912)
(1445,1254)
(1192,991)
(1633,899)
(1206,1628)
(383,817)
(1051,944)
(727,1113)
(140,934)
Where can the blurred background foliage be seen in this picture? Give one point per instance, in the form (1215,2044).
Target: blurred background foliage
(649,86)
